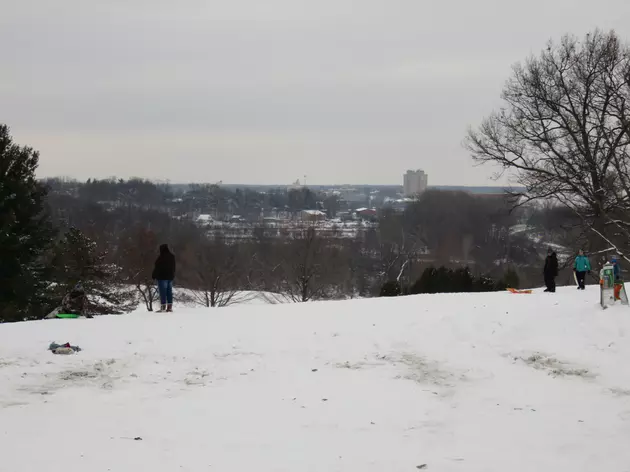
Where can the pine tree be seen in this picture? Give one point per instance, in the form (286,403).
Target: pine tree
(511,279)
(77,260)
(391,289)
(25,232)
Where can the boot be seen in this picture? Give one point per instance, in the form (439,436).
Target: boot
(169,308)
(162,309)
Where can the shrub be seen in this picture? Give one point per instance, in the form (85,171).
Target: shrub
(444,280)
(391,289)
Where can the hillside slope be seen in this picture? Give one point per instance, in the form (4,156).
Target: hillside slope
(465,382)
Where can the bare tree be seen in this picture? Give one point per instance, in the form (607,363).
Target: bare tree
(137,254)
(213,273)
(311,267)
(396,244)
(564,131)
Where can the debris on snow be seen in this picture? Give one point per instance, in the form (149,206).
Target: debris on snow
(63,348)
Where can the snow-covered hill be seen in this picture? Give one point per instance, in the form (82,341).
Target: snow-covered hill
(469,382)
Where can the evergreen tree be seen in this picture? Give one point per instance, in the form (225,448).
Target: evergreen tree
(487,284)
(25,232)
(77,260)
(462,280)
(511,279)
(391,289)
(444,280)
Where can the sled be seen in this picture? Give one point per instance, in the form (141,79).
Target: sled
(513,290)
(611,290)
(66,315)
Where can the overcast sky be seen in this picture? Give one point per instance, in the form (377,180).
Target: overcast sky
(251,91)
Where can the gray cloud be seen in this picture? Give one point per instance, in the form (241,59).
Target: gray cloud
(247,91)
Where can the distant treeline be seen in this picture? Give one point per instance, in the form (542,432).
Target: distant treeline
(105,234)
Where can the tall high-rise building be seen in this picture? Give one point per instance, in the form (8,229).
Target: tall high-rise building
(414,182)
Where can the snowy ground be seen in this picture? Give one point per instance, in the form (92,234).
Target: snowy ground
(470,382)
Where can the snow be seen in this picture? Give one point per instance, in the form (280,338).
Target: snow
(464,382)
(205,219)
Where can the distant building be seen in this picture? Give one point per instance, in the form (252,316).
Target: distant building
(312,216)
(414,182)
(352,195)
(205,220)
(369,214)
(295,185)
(345,216)
(397,204)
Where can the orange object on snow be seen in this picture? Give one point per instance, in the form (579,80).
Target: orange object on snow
(513,290)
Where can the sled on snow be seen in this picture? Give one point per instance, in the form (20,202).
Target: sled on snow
(57,314)
(513,290)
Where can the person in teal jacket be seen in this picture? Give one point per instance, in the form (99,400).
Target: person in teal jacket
(581,267)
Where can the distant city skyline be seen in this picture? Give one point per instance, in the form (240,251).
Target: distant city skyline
(265,92)
(432,185)
(301,181)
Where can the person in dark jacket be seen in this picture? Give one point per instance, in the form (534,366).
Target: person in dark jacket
(551,270)
(164,273)
(75,302)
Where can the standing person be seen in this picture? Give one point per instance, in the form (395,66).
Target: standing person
(581,266)
(164,273)
(75,302)
(618,279)
(551,270)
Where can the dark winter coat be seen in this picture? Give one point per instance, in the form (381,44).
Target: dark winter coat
(551,266)
(75,302)
(164,265)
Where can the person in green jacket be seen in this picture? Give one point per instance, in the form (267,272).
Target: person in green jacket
(581,267)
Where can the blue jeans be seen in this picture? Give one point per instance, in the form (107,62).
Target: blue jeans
(165,287)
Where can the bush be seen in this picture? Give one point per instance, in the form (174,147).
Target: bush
(391,289)
(510,279)
(76,260)
(444,280)
(486,284)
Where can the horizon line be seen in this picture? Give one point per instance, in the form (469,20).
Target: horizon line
(275,185)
